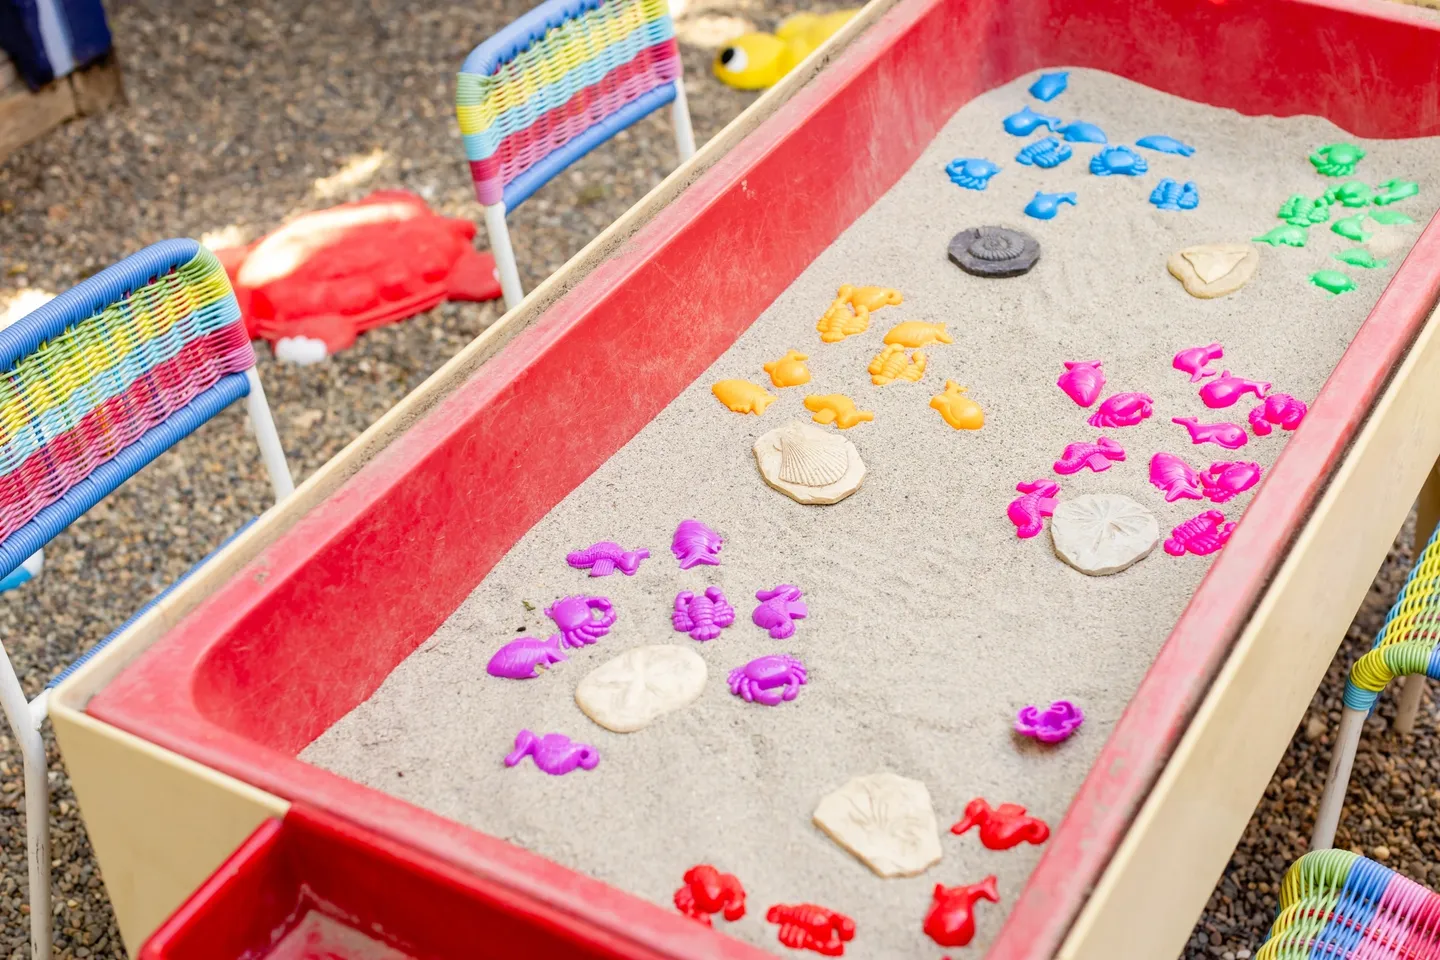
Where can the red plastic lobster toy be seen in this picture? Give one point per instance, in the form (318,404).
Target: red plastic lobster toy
(805,926)
(951,920)
(707,891)
(1003,827)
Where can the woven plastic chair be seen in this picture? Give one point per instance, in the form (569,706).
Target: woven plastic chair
(1402,649)
(552,86)
(1340,906)
(97,383)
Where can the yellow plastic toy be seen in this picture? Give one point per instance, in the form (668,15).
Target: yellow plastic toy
(789,370)
(837,409)
(839,322)
(959,411)
(742,396)
(758,60)
(917,333)
(871,298)
(891,364)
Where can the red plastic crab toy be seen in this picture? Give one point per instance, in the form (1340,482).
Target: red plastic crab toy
(707,891)
(1002,827)
(329,275)
(805,926)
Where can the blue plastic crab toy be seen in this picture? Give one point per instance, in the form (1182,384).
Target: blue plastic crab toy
(972,173)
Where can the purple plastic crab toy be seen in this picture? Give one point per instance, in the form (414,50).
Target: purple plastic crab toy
(779,608)
(702,617)
(582,620)
(761,680)
(602,558)
(554,753)
(1051,725)
(525,657)
(695,543)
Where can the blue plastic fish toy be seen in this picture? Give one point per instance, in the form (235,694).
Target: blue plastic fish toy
(972,173)
(1050,85)
(1045,205)
(1078,131)
(1045,153)
(1169,195)
(1025,122)
(1118,160)
(1164,144)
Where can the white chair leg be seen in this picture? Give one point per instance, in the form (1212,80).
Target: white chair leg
(504,255)
(271,452)
(680,114)
(1342,760)
(37,803)
(1410,693)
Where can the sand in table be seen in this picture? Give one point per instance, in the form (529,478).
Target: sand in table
(930,624)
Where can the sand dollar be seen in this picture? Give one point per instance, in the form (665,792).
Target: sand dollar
(632,690)
(1214,269)
(1103,533)
(886,821)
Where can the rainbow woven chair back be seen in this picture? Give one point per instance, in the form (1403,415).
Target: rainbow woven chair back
(1416,611)
(1340,906)
(562,79)
(106,377)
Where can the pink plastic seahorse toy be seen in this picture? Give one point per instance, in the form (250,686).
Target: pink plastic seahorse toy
(1028,513)
(1174,477)
(1226,435)
(1082,381)
(1223,392)
(1280,409)
(1194,360)
(1122,410)
(1097,456)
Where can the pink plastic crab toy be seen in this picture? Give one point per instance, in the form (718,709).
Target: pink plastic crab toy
(761,680)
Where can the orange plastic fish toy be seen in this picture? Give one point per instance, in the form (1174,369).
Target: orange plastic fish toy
(959,411)
(790,370)
(917,333)
(742,396)
(837,409)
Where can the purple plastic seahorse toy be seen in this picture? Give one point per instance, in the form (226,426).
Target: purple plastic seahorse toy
(554,753)
(525,657)
(1028,512)
(604,557)
(780,607)
(695,543)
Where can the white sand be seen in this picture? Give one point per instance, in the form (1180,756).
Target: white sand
(930,624)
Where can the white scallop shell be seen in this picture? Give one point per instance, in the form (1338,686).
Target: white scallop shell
(811,457)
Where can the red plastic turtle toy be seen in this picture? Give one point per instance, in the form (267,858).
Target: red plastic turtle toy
(312,286)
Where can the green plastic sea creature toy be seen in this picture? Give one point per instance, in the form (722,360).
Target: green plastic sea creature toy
(1337,159)
(1332,281)
(1389,217)
(1301,211)
(1352,228)
(1359,257)
(1350,194)
(1392,191)
(1289,235)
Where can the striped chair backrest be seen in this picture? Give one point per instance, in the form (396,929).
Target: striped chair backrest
(1415,614)
(556,83)
(107,376)
(1341,906)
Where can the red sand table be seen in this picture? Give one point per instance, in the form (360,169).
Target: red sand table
(183,738)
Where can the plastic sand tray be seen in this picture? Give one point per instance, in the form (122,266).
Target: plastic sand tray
(929,623)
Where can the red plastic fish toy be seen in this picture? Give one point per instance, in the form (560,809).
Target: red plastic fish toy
(951,920)
(1002,827)
(707,891)
(805,926)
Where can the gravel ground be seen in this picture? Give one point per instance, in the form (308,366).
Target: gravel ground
(244,114)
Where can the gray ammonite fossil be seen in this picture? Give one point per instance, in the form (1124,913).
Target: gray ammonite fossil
(994,251)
